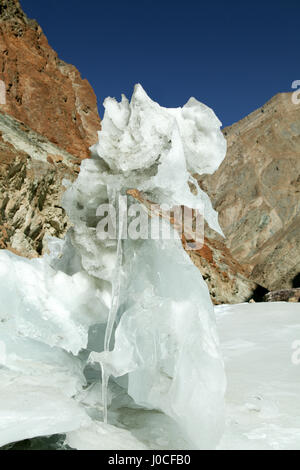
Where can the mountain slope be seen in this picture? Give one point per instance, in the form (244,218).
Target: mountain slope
(256,191)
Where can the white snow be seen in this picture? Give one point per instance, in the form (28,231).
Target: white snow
(102,436)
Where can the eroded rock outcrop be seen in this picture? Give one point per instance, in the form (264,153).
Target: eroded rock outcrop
(32,170)
(42,91)
(228,281)
(256,191)
(284,295)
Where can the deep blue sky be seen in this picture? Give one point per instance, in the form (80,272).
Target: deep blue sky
(231,55)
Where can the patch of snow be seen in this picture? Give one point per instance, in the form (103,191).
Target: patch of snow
(262,399)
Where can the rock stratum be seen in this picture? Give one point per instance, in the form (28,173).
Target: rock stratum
(32,170)
(256,191)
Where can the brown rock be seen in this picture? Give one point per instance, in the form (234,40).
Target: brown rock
(31,188)
(55,158)
(256,191)
(42,91)
(227,280)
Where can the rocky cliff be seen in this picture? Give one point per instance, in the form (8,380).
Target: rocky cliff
(256,191)
(42,91)
(32,170)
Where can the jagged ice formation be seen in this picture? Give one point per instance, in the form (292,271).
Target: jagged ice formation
(139,308)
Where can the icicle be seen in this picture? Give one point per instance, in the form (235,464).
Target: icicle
(114,304)
(116,284)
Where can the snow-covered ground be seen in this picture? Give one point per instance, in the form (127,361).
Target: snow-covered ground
(138,308)
(261,347)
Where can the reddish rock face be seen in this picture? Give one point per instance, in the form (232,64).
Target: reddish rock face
(42,91)
(226,279)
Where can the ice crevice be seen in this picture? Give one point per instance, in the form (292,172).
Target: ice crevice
(113,341)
